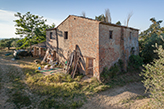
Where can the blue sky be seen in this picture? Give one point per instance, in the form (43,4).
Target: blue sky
(55,11)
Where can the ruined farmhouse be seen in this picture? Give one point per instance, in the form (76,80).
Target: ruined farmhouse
(101,44)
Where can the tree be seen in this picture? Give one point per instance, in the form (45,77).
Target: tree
(83,14)
(153,79)
(107,16)
(7,42)
(128,19)
(2,44)
(31,28)
(100,17)
(149,37)
(118,23)
(16,43)
(104,18)
(154,28)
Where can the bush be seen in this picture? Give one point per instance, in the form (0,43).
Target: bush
(153,79)
(110,73)
(135,61)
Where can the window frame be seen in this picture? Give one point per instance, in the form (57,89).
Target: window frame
(130,35)
(51,35)
(110,34)
(65,34)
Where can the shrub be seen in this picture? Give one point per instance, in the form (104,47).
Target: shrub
(153,79)
(112,72)
(135,61)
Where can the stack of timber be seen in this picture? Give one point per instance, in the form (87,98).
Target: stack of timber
(48,56)
(73,61)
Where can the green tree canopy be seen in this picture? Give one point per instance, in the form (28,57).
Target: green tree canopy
(149,37)
(31,27)
(8,42)
(118,23)
(153,79)
(100,18)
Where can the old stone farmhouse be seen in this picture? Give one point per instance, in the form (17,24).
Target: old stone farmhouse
(101,44)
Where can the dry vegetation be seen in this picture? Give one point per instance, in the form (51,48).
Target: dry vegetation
(24,87)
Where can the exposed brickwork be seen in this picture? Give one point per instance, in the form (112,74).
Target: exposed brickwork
(119,47)
(81,32)
(92,38)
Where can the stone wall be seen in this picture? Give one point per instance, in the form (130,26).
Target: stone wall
(81,32)
(119,47)
(51,43)
(110,50)
(93,40)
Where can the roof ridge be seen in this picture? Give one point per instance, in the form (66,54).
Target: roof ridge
(101,22)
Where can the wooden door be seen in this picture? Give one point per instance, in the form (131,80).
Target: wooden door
(89,66)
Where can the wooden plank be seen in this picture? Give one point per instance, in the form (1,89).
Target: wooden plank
(70,63)
(87,65)
(77,61)
(74,60)
(47,52)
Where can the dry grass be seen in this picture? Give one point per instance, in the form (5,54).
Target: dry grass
(54,91)
(60,90)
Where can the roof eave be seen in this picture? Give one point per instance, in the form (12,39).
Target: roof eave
(50,29)
(118,25)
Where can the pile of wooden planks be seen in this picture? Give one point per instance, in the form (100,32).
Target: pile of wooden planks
(48,56)
(73,61)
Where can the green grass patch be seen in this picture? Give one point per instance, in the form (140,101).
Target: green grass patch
(124,79)
(75,90)
(60,90)
(62,86)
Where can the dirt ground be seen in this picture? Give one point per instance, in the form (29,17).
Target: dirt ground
(130,96)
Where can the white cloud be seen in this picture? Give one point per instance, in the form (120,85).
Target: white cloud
(50,21)
(7,28)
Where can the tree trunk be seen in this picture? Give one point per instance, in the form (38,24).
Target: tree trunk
(30,46)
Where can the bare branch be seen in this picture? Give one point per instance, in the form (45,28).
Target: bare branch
(128,18)
(107,16)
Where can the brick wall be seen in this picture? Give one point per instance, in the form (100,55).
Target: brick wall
(119,47)
(51,43)
(81,32)
(110,50)
(92,38)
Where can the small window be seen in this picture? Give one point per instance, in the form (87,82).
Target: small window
(110,34)
(66,35)
(50,35)
(130,35)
